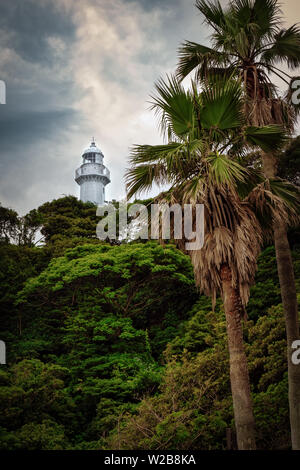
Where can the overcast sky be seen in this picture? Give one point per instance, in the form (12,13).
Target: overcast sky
(76,69)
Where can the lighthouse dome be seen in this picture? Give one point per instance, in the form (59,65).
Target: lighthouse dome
(92,149)
(92,176)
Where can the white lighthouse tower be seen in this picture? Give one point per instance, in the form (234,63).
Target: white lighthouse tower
(92,176)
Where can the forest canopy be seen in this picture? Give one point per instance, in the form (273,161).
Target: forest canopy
(112,346)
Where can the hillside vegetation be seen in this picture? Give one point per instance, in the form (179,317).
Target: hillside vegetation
(113,347)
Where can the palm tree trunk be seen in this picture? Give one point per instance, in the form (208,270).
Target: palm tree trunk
(239,374)
(290,306)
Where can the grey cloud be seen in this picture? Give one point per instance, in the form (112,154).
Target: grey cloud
(27,24)
(161,4)
(97,83)
(40,94)
(19,130)
(41,133)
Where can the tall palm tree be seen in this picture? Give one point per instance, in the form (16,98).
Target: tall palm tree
(248,40)
(203,130)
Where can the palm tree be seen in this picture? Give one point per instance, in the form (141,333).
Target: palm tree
(203,130)
(249,41)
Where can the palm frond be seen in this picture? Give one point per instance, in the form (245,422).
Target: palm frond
(192,190)
(268,138)
(167,163)
(260,17)
(274,201)
(222,106)
(254,178)
(174,106)
(141,178)
(286,48)
(224,171)
(195,56)
(212,12)
(267,15)
(154,153)
(232,235)
(287,192)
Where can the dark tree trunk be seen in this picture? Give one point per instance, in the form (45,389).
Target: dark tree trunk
(290,306)
(289,301)
(239,375)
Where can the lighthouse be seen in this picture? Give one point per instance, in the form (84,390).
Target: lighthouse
(92,176)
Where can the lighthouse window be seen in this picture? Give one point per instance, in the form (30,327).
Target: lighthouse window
(91,157)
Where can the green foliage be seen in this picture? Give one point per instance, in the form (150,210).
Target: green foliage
(289,162)
(193,407)
(47,435)
(112,347)
(33,400)
(266,291)
(17,265)
(95,315)
(9,224)
(120,280)
(68,217)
